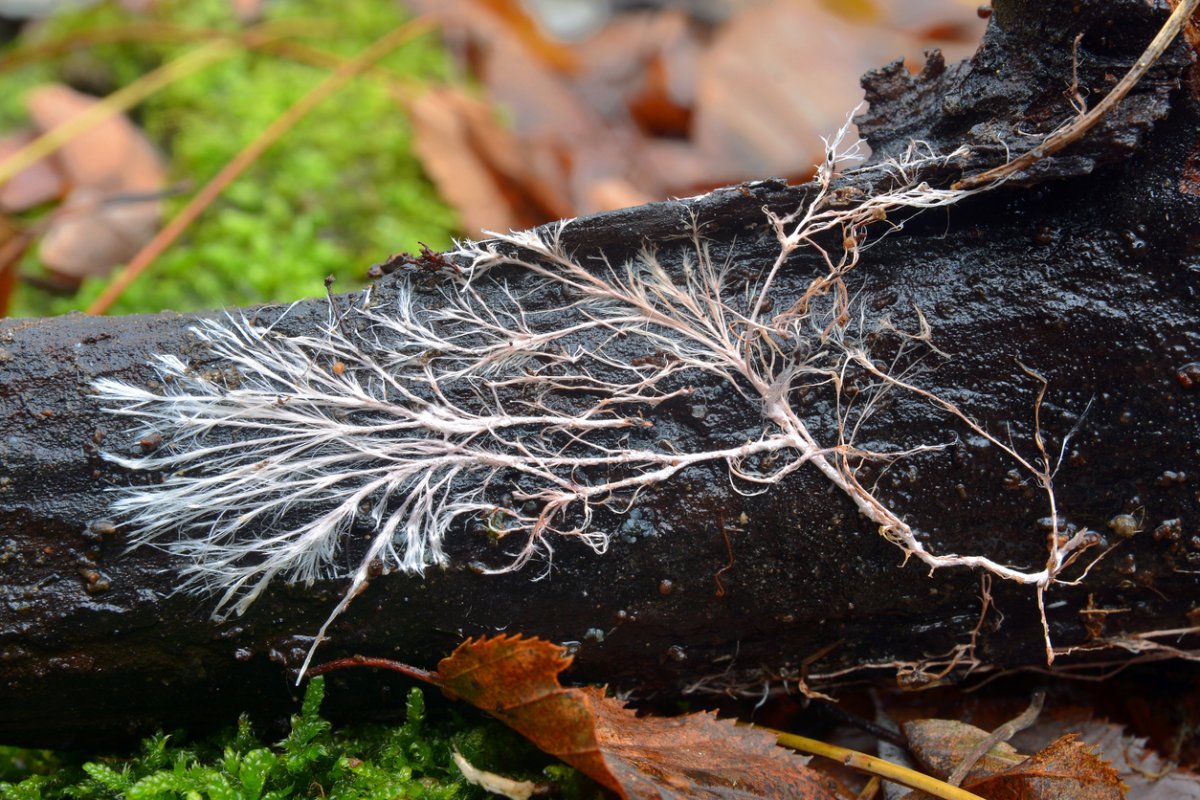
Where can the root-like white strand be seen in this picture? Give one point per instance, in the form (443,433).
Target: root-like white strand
(516,407)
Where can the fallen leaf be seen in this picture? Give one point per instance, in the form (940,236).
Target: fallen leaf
(114,176)
(36,184)
(940,745)
(516,680)
(1148,775)
(779,77)
(536,97)
(954,26)
(569,135)
(111,155)
(94,231)
(479,167)
(1066,769)
(648,60)
(517,19)
(613,193)
(676,101)
(698,755)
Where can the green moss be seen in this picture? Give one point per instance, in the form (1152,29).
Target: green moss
(412,760)
(340,191)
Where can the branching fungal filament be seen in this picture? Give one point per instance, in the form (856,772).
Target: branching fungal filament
(511,400)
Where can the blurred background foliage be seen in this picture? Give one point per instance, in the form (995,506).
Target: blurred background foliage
(571,107)
(339,191)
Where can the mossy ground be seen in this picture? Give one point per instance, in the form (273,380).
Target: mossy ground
(340,191)
(412,760)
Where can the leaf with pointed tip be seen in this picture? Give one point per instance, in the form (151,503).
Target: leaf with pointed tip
(695,756)
(1066,769)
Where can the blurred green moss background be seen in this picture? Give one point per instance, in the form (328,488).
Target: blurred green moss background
(340,191)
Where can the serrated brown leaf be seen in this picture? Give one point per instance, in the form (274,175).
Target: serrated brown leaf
(1066,769)
(1148,774)
(516,680)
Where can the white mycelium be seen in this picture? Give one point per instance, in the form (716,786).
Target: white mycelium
(513,404)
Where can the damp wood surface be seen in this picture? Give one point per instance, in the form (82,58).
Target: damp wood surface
(1086,271)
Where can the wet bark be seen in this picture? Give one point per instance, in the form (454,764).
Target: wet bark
(1087,271)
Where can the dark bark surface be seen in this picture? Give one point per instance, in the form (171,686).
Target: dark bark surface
(1088,272)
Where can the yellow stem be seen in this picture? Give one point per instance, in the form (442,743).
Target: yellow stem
(875,766)
(870,791)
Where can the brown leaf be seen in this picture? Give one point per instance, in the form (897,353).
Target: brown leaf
(776,79)
(112,155)
(784,73)
(516,18)
(953,26)
(565,144)
(36,184)
(93,231)
(940,745)
(479,168)
(114,172)
(697,755)
(1148,775)
(612,193)
(516,680)
(1066,769)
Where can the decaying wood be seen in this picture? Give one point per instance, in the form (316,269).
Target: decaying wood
(1083,271)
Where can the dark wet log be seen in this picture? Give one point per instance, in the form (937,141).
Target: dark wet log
(1087,272)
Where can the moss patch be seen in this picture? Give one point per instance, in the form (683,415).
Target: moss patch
(340,191)
(412,760)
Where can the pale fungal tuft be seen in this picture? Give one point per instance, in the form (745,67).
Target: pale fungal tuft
(509,402)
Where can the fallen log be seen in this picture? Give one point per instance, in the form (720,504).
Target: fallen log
(773,436)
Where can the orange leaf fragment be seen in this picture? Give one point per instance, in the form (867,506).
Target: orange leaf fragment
(1066,769)
(1148,774)
(516,680)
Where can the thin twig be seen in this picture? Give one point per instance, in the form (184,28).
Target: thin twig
(269,37)
(1080,125)
(249,154)
(378,663)
(154,32)
(1001,734)
(871,790)
(729,550)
